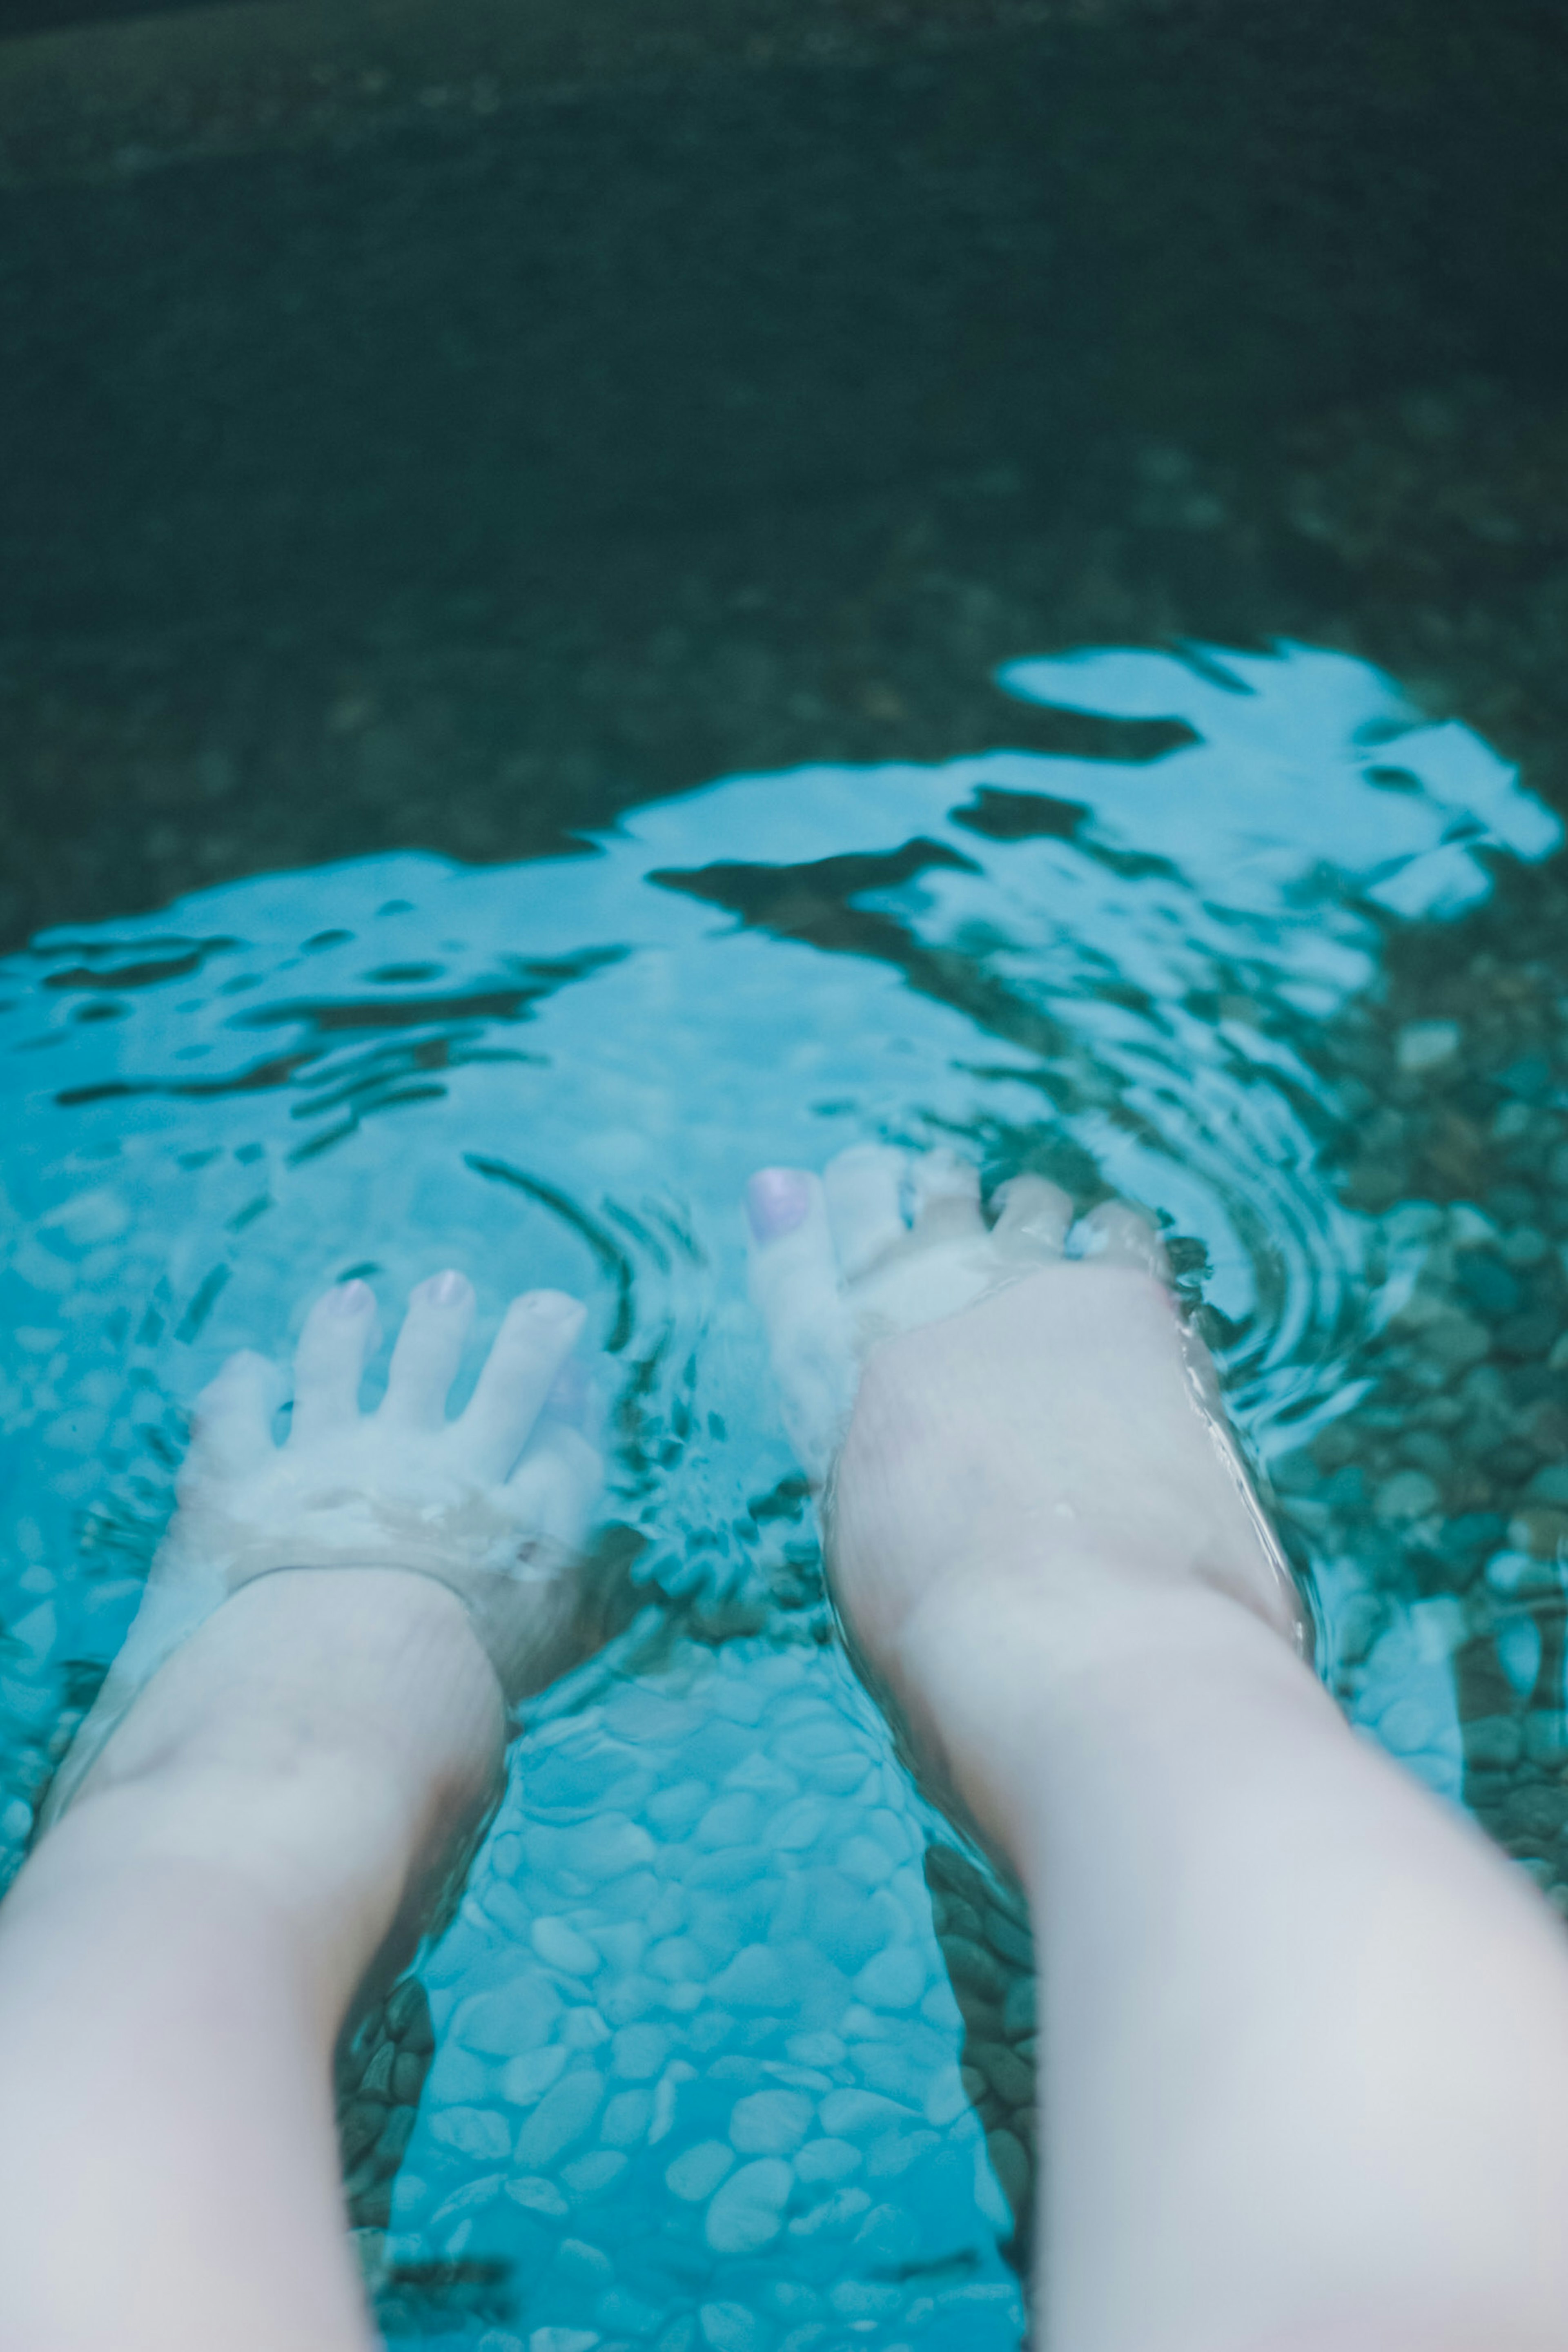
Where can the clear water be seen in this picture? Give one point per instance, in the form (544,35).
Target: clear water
(698,2052)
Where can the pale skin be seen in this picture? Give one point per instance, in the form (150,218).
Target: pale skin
(1304,2037)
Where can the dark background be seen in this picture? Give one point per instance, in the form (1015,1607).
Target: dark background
(453,469)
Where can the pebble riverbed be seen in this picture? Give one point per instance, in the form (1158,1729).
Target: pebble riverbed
(729,2041)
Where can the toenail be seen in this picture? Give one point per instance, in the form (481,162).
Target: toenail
(777,1200)
(554,1306)
(349,1297)
(446,1289)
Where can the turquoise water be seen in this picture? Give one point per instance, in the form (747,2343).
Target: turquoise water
(700,2073)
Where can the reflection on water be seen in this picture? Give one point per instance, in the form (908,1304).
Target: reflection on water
(696,2074)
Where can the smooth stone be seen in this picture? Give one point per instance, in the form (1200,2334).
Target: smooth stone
(697,2171)
(864,2299)
(1412,1724)
(849,2113)
(561,2116)
(679,1960)
(894,1979)
(1422,1045)
(1455,1340)
(610,1845)
(895,2152)
(755,1978)
(638,2050)
(827,2159)
(748,2212)
(1010,1936)
(560,1947)
(516,2016)
(472,2131)
(1005,2070)
(1493,1740)
(664,2099)
(834,2213)
(583,2029)
(732,1819)
(816,2048)
(731,2327)
(796,1825)
(591,2175)
(946,2098)
(1409,1494)
(771,2123)
(1550,1486)
(1011,2163)
(586,2265)
(1018,2007)
(972,1967)
(525,2080)
(563,2339)
(866,1862)
(627,2118)
(537,2197)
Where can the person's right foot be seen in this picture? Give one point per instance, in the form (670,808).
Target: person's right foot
(993,1412)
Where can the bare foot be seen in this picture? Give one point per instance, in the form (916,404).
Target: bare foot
(493,1505)
(1003,1411)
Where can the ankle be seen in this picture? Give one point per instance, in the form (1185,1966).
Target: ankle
(321,1746)
(1015,1691)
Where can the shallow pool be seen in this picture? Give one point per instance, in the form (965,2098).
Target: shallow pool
(730,2039)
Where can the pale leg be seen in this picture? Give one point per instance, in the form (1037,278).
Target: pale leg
(1305,2035)
(258,1841)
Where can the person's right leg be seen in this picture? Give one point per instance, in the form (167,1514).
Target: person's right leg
(1305,2034)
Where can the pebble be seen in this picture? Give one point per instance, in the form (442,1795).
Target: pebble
(472,2131)
(1409,1494)
(538,2196)
(697,2171)
(527,2079)
(748,2212)
(627,2118)
(591,2175)
(1423,1045)
(1010,2161)
(638,2050)
(518,2016)
(731,2327)
(845,2112)
(560,1947)
(827,2160)
(771,2123)
(561,2116)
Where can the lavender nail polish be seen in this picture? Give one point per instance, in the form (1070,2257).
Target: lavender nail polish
(777,1200)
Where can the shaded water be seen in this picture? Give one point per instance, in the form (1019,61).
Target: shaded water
(700,2070)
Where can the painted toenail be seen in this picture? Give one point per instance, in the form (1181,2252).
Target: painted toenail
(446,1289)
(349,1297)
(553,1306)
(777,1200)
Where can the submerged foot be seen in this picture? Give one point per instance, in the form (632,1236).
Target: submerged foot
(494,1503)
(1000,1406)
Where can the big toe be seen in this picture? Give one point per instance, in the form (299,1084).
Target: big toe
(795,1287)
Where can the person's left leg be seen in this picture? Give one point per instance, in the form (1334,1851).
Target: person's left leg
(263,1833)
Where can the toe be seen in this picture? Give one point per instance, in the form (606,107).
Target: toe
(537,1336)
(1033,1218)
(428,1351)
(1119,1235)
(947,1197)
(557,1483)
(794,1284)
(864,1188)
(231,1432)
(329,1361)
(793,1269)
